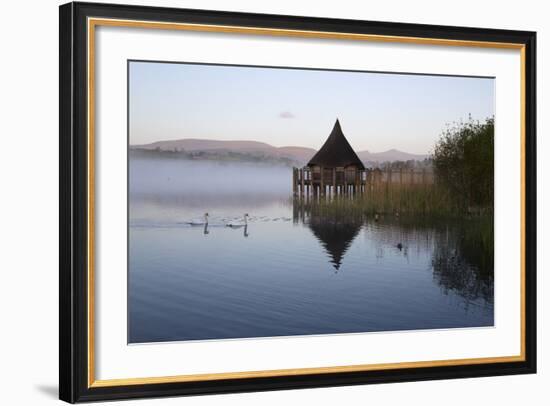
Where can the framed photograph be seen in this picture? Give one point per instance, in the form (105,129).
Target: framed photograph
(256,202)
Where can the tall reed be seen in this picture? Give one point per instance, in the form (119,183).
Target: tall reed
(420,199)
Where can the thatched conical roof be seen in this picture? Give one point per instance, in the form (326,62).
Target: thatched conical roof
(336,151)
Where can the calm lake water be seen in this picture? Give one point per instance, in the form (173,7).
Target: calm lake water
(291,271)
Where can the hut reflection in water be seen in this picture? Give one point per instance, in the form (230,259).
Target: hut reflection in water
(461,250)
(335,232)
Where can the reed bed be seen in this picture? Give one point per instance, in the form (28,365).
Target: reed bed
(422,199)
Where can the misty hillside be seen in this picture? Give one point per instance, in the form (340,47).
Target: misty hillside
(252,151)
(192,144)
(390,155)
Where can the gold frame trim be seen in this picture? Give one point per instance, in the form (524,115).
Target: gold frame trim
(94,22)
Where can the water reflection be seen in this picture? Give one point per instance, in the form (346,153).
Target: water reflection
(461,250)
(335,231)
(327,271)
(463,261)
(335,236)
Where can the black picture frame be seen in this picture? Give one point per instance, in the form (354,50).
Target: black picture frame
(74,199)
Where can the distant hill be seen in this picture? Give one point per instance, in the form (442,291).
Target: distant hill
(254,150)
(390,155)
(231,150)
(300,154)
(192,144)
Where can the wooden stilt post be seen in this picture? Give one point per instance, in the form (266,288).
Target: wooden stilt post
(333,182)
(294,181)
(322,185)
(345,182)
(302,176)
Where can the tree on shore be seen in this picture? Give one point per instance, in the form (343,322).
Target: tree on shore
(463,161)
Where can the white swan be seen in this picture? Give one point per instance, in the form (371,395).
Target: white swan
(198,221)
(238,223)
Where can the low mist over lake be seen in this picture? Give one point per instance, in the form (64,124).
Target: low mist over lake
(172,177)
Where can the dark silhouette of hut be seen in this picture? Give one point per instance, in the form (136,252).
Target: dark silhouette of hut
(335,168)
(335,231)
(336,236)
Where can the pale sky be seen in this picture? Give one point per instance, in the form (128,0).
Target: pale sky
(284,107)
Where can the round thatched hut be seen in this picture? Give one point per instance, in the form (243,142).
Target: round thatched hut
(335,168)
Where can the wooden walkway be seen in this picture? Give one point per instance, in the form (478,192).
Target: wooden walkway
(341,181)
